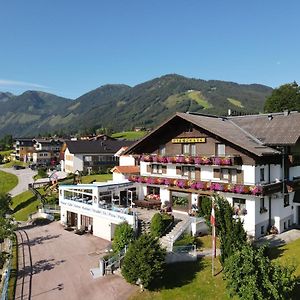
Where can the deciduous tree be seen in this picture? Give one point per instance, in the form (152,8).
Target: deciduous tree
(285,97)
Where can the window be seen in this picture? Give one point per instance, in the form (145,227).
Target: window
(286,200)
(87,158)
(224,174)
(192,173)
(157,169)
(284,225)
(262,203)
(233,175)
(262,208)
(262,174)
(216,173)
(185,171)
(262,229)
(153,190)
(289,223)
(239,206)
(193,149)
(220,150)
(162,150)
(185,148)
(189,149)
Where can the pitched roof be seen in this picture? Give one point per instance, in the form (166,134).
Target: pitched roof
(95,147)
(126,169)
(272,129)
(254,133)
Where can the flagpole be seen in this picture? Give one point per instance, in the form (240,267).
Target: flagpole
(212,221)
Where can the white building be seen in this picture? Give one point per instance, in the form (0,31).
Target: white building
(98,207)
(252,161)
(94,155)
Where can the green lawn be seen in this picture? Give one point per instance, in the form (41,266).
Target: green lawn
(6,153)
(206,242)
(23,205)
(289,255)
(7,182)
(14,163)
(188,281)
(129,135)
(97,177)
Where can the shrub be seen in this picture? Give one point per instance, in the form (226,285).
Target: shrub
(144,261)
(42,172)
(159,224)
(251,275)
(123,236)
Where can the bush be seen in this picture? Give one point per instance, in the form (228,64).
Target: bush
(185,240)
(123,236)
(159,224)
(251,275)
(144,261)
(42,172)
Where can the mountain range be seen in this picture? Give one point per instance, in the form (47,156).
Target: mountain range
(121,107)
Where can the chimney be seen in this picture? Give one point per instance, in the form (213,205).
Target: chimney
(286,112)
(229,112)
(270,117)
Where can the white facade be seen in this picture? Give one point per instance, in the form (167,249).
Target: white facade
(258,216)
(95,206)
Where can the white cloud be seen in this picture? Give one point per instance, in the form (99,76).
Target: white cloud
(22,84)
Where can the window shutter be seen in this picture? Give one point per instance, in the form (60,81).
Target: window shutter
(164,169)
(149,169)
(178,170)
(216,173)
(197,170)
(240,176)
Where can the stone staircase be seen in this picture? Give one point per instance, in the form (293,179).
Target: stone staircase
(168,240)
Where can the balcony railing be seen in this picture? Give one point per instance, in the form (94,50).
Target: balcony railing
(193,160)
(256,190)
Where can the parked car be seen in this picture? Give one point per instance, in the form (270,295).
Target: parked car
(32,166)
(17,167)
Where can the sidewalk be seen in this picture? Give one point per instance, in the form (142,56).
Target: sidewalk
(275,240)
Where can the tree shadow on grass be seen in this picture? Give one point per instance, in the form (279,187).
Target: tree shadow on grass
(296,292)
(274,252)
(178,275)
(24,204)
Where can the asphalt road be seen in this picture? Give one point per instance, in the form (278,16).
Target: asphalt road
(25,176)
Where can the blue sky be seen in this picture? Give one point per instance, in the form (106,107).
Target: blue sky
(69,47)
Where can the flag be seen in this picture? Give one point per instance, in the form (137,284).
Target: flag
(212,216)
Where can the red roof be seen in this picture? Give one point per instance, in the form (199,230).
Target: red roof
(126,169)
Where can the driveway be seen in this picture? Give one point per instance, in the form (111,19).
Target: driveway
(60,267)
(25,176)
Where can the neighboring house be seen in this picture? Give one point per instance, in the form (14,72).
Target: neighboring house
(24,148)
(252,161)
(92,156)
(47,151)
(123,172)
(41,157)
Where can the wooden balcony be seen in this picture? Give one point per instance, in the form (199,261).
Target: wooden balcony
(193,160)
(193,185)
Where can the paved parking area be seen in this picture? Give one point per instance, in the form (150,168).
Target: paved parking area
(61,263)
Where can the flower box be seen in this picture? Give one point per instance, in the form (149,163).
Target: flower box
(180,159)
